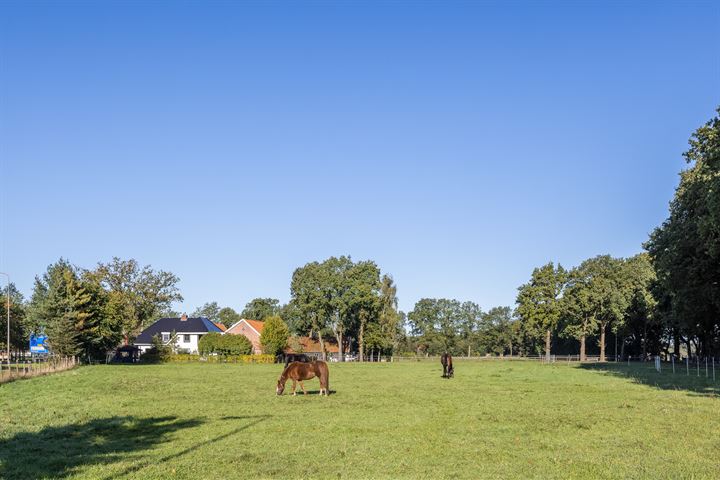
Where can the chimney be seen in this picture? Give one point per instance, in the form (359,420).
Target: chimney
(183,318)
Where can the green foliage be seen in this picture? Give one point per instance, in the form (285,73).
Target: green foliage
(20,329)
(192,358)
(228,317)
(233,345)
(538,303)
(274,337)
(209,343)
(261,308)
(137,295)
(68,307)
(211,311)
(685,249)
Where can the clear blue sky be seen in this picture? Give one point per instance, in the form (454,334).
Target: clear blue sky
(458,146)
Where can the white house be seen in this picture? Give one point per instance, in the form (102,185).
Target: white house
(188,331)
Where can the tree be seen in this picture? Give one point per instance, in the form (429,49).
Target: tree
(538,302)
(685,249)
(68,308)
(496,331)
(390,320)
(19,332)
(275,334)
(362,299)
(137,295)
(307,288)
(211,311)
(228,317)
(261,308)
(597,296)
(436,322)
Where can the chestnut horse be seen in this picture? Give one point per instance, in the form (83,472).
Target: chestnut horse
(300,371)
(446,360)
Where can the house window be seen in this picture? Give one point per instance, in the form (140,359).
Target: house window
(165,337)
(186,338)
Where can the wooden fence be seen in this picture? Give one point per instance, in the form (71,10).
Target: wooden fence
(16,370)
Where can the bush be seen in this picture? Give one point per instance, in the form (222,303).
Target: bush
(208,343)
(234,345)
(186,358)
(274,336)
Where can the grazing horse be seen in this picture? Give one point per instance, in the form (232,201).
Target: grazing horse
(446,360)
(299,371)
(296,357)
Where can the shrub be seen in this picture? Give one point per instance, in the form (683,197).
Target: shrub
(274,336)
(234,345)
(209,343)
(186,358)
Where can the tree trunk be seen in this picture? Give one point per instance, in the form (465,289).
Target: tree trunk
(547,345)
(468,351)
(622,348)
(322,346)
(362,341)
(339,337)
(676,343)
(582,349)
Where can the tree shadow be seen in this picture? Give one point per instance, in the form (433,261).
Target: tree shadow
(60,451)
(646,374)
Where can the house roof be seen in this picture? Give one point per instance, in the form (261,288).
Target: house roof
(310,345)
(194,325)
(256,325)
(220,326)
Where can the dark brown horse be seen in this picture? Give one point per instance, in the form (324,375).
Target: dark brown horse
(299,371)
(446,360)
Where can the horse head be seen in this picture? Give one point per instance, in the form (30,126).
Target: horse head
(280,385)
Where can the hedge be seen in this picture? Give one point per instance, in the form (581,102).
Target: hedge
(190,358)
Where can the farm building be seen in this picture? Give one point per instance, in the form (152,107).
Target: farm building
(188,331)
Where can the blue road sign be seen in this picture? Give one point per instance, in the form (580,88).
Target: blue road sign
(37,343)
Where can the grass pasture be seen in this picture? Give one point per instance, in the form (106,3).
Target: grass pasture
(493,420)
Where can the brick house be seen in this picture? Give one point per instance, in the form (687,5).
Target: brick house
(251,329)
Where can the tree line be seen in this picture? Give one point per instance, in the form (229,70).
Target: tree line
(665,300)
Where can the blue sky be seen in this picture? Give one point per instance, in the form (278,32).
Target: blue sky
(458,146)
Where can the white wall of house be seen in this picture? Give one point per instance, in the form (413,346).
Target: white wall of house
(185,341)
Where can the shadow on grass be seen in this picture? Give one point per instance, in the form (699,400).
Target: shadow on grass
(666,380)
(309,392)
(60,451)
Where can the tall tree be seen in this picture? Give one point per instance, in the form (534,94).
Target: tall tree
(597,296)
(69,308)
(362,300)
(210,310)
(390,319)
(538,302)
(261,308)
(308,288)
(437,324)
(685,249)
(228,317)
(137,294)
(19,328)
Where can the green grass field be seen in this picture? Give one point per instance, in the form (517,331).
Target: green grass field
(493,420)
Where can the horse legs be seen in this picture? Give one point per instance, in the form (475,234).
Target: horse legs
(303,388)
(294,386)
